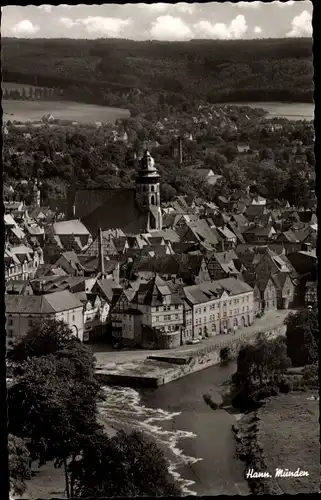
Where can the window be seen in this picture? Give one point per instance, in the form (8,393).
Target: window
(247,307)
(157,318)
(242,309)
(196,321)
(9,333)
(204,309)
(224,315)
(157,308)
(73,317)
(176,316)
(224,304)
(10,321)
(234,301)
(176,307)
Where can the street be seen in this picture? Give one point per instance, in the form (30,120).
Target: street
(107,356)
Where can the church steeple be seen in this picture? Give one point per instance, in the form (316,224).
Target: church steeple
(148,192)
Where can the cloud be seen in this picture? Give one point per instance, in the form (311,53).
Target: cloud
(249,5)
(236,29)
(301,25)
(257,30)
(46,8)
(109,26)
(24,28)
(285,4)
(67,22)
(170,28)
(185,8)
(181,7)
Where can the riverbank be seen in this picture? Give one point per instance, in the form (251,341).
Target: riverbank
(156,368)
(282,434)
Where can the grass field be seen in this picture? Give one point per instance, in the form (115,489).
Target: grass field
(289,434)
(24,111)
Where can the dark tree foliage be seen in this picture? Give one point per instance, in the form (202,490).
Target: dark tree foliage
(302,337)
(43,338)
(257,364)
(115,72)
(126,465)
(19,470)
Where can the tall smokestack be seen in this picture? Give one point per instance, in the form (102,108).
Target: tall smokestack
(180,151)
(101,253)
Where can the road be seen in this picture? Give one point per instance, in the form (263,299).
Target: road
(105,355)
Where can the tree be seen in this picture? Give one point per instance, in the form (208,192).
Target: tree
(302,337)
(52,407)
(257,362)
(19,470)
(124,465)
(43,338)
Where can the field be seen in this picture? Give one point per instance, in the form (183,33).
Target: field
(24,111)
(289,434)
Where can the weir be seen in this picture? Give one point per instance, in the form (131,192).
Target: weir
(155,371)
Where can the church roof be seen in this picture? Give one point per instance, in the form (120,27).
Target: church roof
(110,209)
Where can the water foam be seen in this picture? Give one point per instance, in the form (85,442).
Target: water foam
(122,408)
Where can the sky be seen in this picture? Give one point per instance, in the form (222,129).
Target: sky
(160,21)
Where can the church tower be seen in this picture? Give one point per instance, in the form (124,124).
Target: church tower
(148,192)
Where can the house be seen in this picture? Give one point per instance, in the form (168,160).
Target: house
(21,262)
(284,290)
(21,310)
(255,212)
(65,236)
(42,214)
(18,287)
(179,268)
(13,206)
(267,291)
(222,265)
(311,293)
(162,314)
(258,234)
(208,175)
(95,311)
(48,118)
(219,305)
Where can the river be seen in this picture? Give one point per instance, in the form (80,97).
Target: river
(197,440)
(291,111)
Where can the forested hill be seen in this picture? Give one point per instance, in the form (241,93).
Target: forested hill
(98,71)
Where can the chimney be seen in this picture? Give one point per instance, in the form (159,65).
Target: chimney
(101,253)
(180,151)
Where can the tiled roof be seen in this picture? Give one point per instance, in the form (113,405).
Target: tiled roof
(69,227)
(41,304)
(213,289)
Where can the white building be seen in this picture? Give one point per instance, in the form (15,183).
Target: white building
(219,305)
(22,310)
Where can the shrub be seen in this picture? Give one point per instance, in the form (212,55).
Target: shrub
(225,355)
